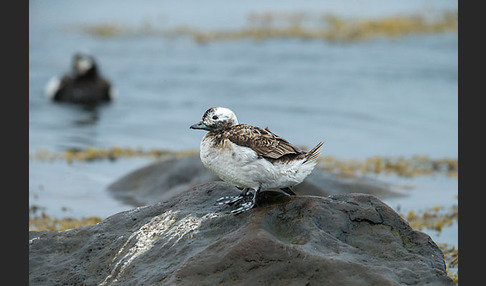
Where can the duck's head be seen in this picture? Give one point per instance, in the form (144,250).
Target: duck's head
(216,118)
(83,64)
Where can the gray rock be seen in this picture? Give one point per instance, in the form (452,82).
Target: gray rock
(160,181)
(163,180)
(349,239)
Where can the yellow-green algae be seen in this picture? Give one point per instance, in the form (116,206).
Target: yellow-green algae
(45,222)
(328,27)
(113,153)
(451,258)
(451,254)
(42,221)
(405,167)
(402,166)
(433,219)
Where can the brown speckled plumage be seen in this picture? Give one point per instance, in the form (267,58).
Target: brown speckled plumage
(265,143)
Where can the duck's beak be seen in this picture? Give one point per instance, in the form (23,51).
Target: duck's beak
(199,125)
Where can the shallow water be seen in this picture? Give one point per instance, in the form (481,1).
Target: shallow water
(374,98)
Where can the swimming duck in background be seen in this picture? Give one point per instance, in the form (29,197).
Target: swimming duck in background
(84,85)
(251,158)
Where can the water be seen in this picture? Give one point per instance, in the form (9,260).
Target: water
(375,98)
(362,99)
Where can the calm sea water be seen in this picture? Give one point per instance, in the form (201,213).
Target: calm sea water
(378,97)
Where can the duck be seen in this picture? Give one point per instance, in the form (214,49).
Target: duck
(84,85)
(251,158)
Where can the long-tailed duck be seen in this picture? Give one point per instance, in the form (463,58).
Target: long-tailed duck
(251,158)
(84,85)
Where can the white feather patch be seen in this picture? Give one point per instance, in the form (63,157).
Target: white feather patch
(241,166)
(52,87)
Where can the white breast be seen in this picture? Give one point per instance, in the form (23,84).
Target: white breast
(240,166)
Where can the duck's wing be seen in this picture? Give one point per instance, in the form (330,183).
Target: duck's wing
(262,141)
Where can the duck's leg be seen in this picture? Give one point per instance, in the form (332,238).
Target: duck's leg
(289,191)
(249,203)
(230,200)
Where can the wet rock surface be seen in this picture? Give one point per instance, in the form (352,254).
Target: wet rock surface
(348,239)
(163,180)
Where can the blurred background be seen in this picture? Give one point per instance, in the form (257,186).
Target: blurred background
(369,78)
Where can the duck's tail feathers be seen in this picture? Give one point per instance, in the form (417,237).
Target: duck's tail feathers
(312,155)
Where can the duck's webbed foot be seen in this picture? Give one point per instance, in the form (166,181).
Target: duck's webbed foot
(247,203)
(230,200)
(244,201)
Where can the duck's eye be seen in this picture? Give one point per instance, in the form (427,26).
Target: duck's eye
(215,117)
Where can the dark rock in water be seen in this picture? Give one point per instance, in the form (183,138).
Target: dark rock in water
(350,239)
(160,181)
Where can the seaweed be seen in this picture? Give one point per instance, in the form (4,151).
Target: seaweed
(296,25)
